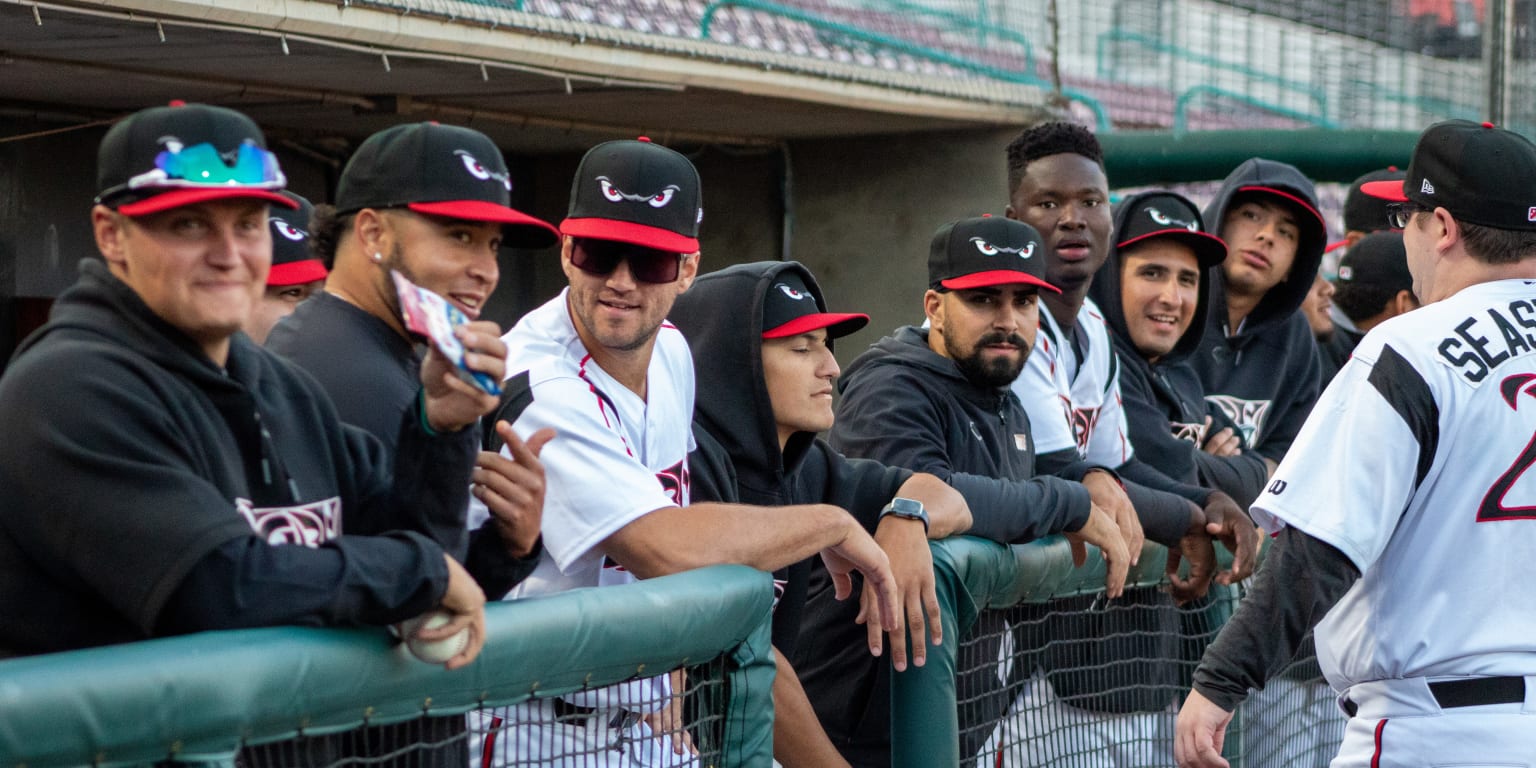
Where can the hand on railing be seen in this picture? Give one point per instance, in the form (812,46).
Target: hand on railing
(880,603)
(466,604)
(1102,532)
(905,542)
(1109,494)
(1226,522)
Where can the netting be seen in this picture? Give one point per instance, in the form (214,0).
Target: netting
(674,720)
(1083,681)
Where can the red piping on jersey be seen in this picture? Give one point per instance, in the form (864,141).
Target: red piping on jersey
(602,406)
(1376,756)
(488,750)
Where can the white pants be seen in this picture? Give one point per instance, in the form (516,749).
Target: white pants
(1292,723)
(1399,724)
(1041,730)
(528,734)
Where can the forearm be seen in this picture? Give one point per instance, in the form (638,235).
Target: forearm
(948,513)
(431,481)
(1302,578)
(667,540)
(1242,476)
(351,580)
(798,738)
(494,569)
(1141,473)
(1020,511)
(1165,518)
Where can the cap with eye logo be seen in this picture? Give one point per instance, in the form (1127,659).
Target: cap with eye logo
(790,308)
(439,170)
(986,251)
(639,192)
(292,261)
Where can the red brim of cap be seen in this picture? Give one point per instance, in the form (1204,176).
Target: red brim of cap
(1210,250)
(1334,246)
(838,324)
(297,272)
(1282,193)
(535,233)
(1390,189)
(630,232)
(177,198)
(995,277)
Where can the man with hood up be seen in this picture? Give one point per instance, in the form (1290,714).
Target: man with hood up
(1258,360)
(936,400)
(1154,293)
(766,375)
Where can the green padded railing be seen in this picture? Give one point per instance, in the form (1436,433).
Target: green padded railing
(971,574)
(198,698)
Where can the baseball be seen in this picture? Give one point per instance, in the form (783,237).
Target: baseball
(433,651)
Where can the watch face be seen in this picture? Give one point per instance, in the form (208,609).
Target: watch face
(906,507)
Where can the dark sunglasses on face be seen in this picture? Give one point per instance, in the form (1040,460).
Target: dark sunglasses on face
(1399,214)
(602,257)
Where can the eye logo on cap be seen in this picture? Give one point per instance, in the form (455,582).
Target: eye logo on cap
(988,249)
(288,230)
(1164,220)
(658,200)
(481,172)
(791,292)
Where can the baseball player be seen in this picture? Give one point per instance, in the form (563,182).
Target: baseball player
(1071,388)
(600,365)
(296,273)
(163,475)
(1398,513)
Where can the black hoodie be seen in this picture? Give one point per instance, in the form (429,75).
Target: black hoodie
(1265,375)
(738,458)
(1164,402)
(132,463)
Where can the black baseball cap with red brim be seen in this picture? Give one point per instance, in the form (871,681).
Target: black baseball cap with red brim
(638,192)
(292,261)
(1480,173)
(790,309)
(167,157)
(986,251)
(438,170)
(1168,215)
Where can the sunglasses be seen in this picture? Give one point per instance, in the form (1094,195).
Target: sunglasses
(1398,214)
(602,257)
(202,165)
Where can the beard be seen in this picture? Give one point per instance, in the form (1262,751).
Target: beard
(394,261)
(996,373)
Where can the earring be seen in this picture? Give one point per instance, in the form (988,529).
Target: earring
(378,258)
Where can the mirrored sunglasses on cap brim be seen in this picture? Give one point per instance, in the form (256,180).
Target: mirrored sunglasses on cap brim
(202,166)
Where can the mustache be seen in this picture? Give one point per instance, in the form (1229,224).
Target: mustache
(999,337)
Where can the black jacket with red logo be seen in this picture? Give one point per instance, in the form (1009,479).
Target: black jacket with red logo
(147,491)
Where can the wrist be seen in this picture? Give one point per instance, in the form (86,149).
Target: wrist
(1196,520)
(905,509)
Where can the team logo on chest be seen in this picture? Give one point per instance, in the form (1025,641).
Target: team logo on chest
(1248,415)
(308,525)
(1194,433)
(677,482)
(1084,422)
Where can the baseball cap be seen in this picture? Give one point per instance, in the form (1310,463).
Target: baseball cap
(1481,174)
(161,158)
(1364,213)
(1172,216)
(438,170)
(789,308)
(1378,259)
(985,251)
(638,192)
(292,262)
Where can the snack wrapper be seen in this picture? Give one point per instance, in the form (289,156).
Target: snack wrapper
(430,316)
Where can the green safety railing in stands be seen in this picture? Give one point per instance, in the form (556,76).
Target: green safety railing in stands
(198,698)
(971,574)
(851,32)
(1181,107)
(1106,69)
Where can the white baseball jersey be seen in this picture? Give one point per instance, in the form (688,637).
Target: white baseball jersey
(615,457)
(1075,403)
(1415,464)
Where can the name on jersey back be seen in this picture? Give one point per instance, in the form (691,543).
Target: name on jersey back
(1481,343)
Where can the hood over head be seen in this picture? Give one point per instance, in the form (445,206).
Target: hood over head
(722,317)
(1285,184)
(1137,220)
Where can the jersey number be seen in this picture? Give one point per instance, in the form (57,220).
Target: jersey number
(1493,507)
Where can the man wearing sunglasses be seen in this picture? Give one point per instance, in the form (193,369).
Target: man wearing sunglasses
(164,475)
(600,365)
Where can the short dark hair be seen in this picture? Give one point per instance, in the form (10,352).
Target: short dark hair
(1361,301)
(1498,246)
(326,229)
(1046,139)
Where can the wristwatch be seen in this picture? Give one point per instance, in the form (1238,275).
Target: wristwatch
(907,509)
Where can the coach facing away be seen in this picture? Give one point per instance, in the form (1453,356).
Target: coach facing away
(163,475)
(1401,508)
